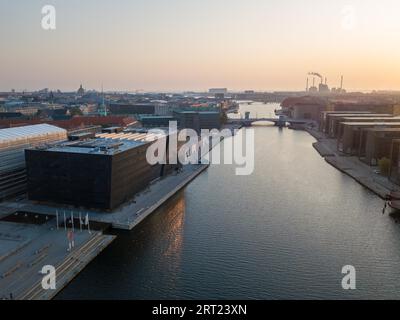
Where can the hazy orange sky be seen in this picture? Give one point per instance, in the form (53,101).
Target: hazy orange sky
(173,45)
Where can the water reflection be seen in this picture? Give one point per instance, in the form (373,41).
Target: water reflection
(155,246)
(283,232)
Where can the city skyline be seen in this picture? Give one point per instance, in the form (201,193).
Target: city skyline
(189,46)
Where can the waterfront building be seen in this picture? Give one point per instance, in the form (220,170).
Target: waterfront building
(370,119)
(376,143)
(13,142)
(377,107)
(101,173)
(394,172)
(302,108)
(349,140)
(323,117)
(333,121)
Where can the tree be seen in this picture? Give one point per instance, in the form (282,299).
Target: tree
(75,111)
(223,118)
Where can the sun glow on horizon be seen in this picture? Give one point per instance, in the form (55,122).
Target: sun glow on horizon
(194,45)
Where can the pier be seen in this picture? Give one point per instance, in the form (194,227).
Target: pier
(29,247)
(35,234)
(26,248)
(130,214)
(352,166)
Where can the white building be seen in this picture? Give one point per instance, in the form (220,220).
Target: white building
(218,91)
(13,142)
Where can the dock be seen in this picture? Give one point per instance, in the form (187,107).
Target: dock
(29,245)
(26,248)
(130,214)
(352,166)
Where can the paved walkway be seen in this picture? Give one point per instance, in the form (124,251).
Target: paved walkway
(25,249)
(353,167)
(130,214)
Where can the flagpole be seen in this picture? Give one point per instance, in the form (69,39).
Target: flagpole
(65,222)
(88,223)
(72,221)
(57,218)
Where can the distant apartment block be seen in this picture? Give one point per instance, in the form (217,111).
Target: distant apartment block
(132,109)
(218,91)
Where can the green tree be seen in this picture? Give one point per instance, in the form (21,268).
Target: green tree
(223,118)
(75,111)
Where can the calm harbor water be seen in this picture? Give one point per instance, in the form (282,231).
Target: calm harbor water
(284,232)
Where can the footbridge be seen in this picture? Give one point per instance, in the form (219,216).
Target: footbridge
(279,122)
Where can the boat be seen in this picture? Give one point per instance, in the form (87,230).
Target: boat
(394,200)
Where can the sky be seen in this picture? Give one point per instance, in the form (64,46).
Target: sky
(177,45)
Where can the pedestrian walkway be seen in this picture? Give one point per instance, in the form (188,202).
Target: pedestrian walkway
(26,249)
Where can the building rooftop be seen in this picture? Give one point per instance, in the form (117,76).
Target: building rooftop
(360,124)
(370,118)
(99,146)
(140,137)
(357,115)
(14,134)
(382,129)
(345,112)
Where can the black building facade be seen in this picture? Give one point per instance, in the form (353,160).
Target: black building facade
(131,109)
(198,120)
(99,173)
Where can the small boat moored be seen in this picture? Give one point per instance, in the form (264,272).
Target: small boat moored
(394,200)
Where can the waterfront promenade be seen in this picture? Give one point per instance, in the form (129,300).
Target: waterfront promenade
(27,248)
(130,214)
(352,166)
